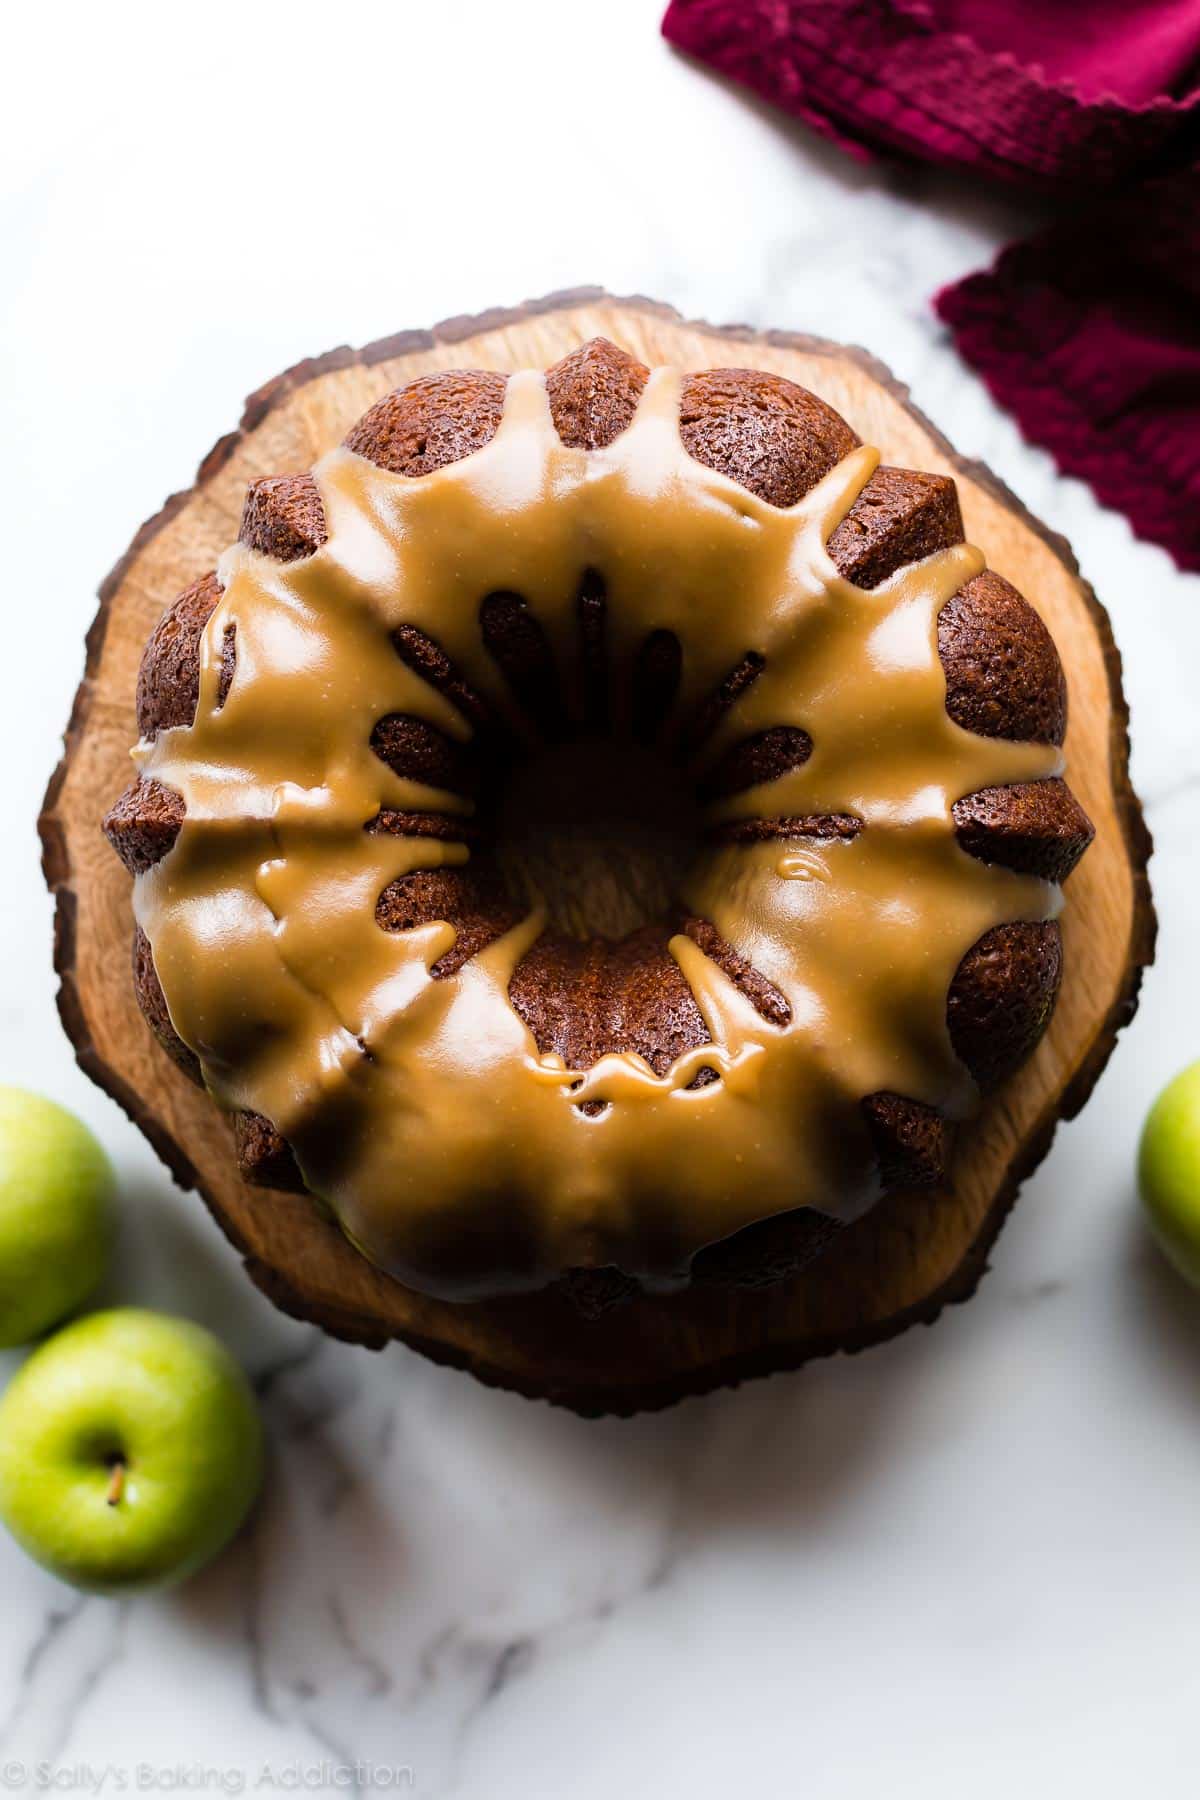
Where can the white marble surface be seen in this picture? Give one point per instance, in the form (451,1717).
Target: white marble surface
(966,1563)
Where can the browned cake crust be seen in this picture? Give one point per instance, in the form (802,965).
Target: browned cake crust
(153,1003)
(284,517)
(168,684)
(583,1000)
(1033,827)
(143,824)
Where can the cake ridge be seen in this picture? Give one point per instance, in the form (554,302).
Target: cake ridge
(952,571)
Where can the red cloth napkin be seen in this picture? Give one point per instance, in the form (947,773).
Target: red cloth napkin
(1090,331)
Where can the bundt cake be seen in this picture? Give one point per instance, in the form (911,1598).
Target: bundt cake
(598,828)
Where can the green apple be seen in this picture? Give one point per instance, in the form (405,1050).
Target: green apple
(56,1215)
(130,1451)
(1169,1171)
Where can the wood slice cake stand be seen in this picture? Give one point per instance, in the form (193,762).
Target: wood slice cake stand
(900,1265)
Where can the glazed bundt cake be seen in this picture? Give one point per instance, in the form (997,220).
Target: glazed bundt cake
(598,828)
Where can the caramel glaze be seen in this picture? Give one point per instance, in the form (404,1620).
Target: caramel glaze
(454,1154)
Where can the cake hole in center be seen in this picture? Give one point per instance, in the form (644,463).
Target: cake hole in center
(598,832)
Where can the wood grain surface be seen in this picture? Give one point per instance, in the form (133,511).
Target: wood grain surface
(900,1265)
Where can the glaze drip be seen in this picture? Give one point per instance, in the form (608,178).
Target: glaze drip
(452,1153)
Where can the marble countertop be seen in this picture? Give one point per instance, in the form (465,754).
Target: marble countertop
(965,1563)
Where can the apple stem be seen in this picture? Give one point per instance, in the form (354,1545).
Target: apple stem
(116,1486)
